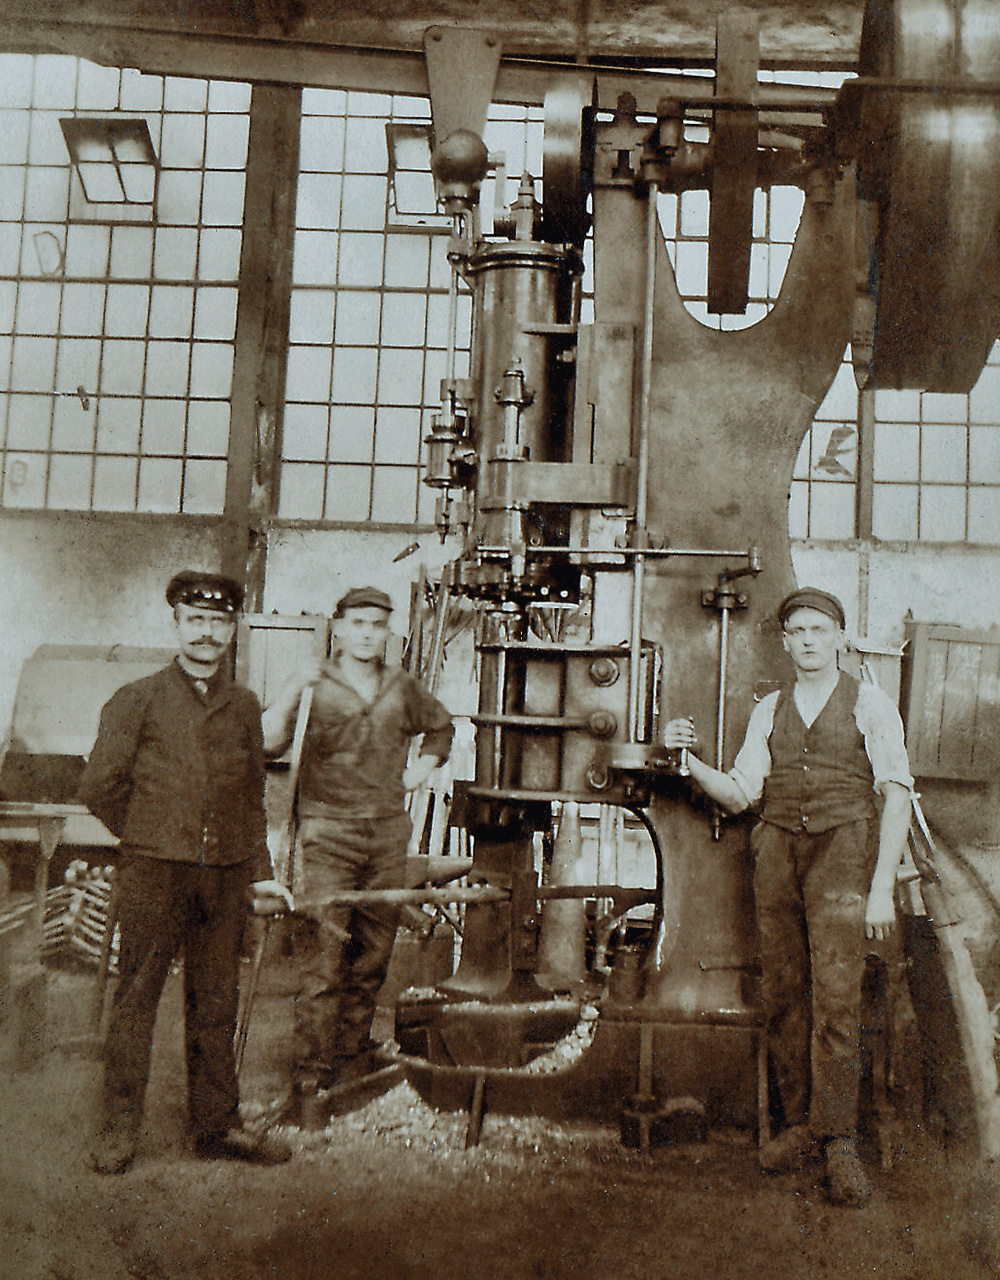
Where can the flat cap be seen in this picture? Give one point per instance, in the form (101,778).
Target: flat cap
(812,598)
(362,598)
(205,591)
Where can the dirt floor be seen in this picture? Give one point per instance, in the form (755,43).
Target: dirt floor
(389,1192)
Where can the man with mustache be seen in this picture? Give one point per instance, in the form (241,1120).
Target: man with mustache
(177,773)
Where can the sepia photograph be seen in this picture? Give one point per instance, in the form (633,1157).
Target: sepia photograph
(500,678)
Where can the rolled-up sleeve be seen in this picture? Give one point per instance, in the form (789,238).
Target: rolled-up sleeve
(752,765)
(433,720)
(879,722)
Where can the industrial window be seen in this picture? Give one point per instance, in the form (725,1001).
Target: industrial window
(936,466)
(116,336)
(369,306)
(116,339)
(931,471)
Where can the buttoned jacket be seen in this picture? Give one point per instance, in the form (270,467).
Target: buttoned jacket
(180,777)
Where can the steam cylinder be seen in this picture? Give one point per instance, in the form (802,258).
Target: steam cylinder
(522,289)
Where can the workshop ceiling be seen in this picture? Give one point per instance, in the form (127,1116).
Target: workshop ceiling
(644,32)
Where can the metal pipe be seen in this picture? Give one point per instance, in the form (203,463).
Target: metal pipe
(498,702)
(482,893)
(720,719)
(243,1026)
(642,470)
(449,365)
(642,552)
(434,660)
(720,715)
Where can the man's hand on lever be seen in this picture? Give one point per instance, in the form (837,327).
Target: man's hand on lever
(680,735)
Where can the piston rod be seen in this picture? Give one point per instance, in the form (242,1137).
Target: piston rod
(642,471)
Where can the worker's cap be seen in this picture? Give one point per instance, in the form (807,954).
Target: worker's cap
(205,591)
(811,598)
(362,598)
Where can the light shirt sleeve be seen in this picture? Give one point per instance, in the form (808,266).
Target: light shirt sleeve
(879,723)
(753,760)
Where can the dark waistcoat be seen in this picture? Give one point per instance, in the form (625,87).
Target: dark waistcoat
(820,776)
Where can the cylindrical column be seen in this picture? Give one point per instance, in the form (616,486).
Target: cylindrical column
(562,962)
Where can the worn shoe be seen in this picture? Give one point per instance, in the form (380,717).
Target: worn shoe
(240,1144)
(792,1149)
(113,1152)
(846,1182)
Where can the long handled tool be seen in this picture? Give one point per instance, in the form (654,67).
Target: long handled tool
(284,858)
(421,798)
(243,1026)
(284,864)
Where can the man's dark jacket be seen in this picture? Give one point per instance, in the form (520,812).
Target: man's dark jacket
(178,777)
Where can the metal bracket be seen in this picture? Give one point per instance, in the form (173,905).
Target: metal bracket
(462,70)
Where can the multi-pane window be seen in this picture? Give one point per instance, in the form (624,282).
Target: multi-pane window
(116,335)
(684,221)
(934,474)
(823,497)
(369,313)
(937,463)
(121,207)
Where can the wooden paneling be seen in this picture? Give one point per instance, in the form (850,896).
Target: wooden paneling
(271,647)
(951,701)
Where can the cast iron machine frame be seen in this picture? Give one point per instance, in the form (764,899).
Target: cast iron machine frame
(614,483)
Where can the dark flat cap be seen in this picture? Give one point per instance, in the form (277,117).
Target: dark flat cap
(205,591)
(811,598)
(362,598)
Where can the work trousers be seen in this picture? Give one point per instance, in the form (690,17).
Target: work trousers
(168,910)
(811,893)
(347,949)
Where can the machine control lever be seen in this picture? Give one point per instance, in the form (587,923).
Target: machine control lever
(724,597)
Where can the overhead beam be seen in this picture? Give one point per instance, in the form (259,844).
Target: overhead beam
(258,60)
(643,31)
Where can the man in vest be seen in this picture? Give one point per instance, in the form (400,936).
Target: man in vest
(815,755)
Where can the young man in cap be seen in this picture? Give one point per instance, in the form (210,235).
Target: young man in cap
(177,772)
(354,831)
(815,754)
